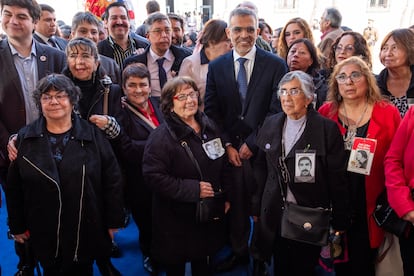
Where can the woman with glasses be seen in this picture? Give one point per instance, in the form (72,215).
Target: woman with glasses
(184,161)
(396,80)
(349,44)
(214,43)
(366,122)
(285,140)
(64,187)
(84,70)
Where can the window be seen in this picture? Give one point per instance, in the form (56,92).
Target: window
(286,4)
(378,4)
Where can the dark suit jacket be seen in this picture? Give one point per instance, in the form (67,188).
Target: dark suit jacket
(222,100)
(12,109)
(61,43)
(105,48)
(179,53)
(111,68)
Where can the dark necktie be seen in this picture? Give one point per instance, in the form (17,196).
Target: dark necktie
(162,75)
(242,78)
(52,42)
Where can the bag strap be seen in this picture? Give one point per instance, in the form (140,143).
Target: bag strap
(142,117)
(191,155)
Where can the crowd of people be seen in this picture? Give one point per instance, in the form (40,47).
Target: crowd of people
(205,144)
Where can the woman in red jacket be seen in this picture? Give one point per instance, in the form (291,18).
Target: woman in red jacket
(399,180)
(364,119)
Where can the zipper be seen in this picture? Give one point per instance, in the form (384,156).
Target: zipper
(95,103)
(60,201)
(75,258)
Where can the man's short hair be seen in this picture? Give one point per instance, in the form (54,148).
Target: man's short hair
(114,4)
(81,17)
(155,17)
(152,6)
(31,5)
(45,7)
(243,12)
(334,16)
(173,16)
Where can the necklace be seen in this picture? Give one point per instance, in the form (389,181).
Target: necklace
(352,129)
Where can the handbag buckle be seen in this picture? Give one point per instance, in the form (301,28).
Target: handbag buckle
(307,226)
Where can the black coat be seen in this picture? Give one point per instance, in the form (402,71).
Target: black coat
(129,147)
(94,102)
(174,180)
(84,193)
(330,185)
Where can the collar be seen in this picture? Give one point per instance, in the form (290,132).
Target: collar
(15,52)
(112,41)
(203,57)
(168,55)
(44,38)
(250,55)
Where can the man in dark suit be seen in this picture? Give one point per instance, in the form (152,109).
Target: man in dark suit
(160,36)
(46,28)
(241,90)
(23,62)
(121,42)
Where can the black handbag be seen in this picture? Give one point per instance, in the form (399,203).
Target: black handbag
(302,223)
(387,219)
(305,224)
(210,208)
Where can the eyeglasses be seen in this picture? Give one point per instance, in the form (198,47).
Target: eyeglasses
(284,170)
(349,49)
(159,32)
(83,56)
(291,92)
(355,76)
(238,30)
(183,97)
(58,97)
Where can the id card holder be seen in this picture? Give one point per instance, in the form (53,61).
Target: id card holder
(305,166)
(214,148)
(362,155)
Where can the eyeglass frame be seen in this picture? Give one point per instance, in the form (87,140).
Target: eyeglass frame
(349,49)
(193,95)
(296,92)
(159,32)
(352,77)
(59,97)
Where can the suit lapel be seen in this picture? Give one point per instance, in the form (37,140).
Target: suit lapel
(6,58)
(42,60)
(258,68)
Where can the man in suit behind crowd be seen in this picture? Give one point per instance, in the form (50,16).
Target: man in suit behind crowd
(241,90)
(46,28)
(121,42)
(23,62)
(330,26)
(161,50)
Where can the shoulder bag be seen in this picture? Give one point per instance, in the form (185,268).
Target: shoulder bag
(387,219)
(210,208)
(304,224)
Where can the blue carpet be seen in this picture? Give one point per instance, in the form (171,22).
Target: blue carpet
(129,264)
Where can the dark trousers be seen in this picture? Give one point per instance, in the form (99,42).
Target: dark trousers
(361,256)
(198,268)
(407,253)
(140,204)
(293,258)
(238,216)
